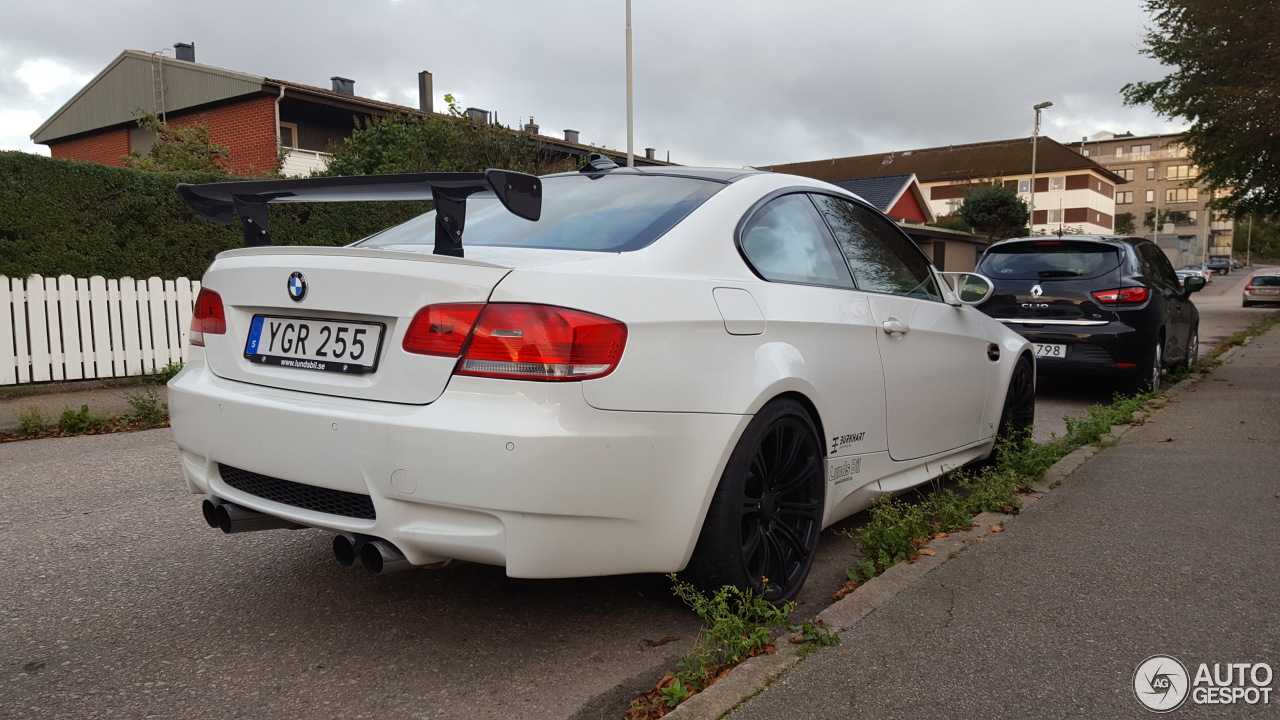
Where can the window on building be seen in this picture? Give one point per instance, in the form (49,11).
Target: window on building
(1055,216)
(1151,196)
(1124,198)
(1084,152)
(1151,173)
(288,135)
(1126,175)
(1181,195)
(1183,217)
(1024,186)
(1057,183)
(1181,172)
(1119,152)
(1141,151)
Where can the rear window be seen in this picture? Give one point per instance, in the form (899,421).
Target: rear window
(1048,260)
(606,213)
(1266,281)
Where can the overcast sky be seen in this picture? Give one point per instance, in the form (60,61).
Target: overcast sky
(716,82)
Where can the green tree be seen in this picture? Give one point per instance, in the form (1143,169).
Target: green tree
(179,149)
(1124,224)
(1263,243)
(438,143)
(995,211)
(1225,81)
(1149,221)
(952,222)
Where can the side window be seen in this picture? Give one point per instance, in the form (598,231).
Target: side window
(786,241)
(1161,268)
(881,257)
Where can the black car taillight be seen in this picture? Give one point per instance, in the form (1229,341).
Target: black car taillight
(1122,296)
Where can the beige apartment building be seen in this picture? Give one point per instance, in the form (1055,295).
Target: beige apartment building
(1158,177)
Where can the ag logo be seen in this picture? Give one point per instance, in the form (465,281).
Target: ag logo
(297,286)
(1161,683)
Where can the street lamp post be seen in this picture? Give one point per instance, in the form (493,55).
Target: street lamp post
(1035,138)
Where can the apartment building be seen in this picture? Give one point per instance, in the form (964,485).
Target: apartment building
(1159,179)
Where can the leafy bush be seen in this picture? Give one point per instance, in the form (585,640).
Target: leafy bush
(79,218)
(149,409)
(32,422)
(74,422)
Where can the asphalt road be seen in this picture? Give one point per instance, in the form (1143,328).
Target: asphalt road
(117,601)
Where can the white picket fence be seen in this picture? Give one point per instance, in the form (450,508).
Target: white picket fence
(68,328)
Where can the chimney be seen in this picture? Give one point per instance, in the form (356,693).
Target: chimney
(648,153)
(477,115)
(571,136)
(531,127)
(426,102)
(343,86)
(185,51)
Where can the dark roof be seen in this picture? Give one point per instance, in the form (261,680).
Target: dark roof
(881,192)
(953,162)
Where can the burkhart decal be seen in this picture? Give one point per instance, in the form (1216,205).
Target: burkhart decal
(840,442)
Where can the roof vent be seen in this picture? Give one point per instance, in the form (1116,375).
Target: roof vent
(648,153)
(571,136)
(343,86)
(477,115)
(426,101)
(185,51)
(531,127)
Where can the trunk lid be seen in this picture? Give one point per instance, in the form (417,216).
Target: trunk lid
(1050,280)
(352,296)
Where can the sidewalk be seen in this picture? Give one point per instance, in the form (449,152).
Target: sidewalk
(1167,543)
(106,396)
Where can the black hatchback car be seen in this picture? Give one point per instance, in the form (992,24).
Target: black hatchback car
(1095,305)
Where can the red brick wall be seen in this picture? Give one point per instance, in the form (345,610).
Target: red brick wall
(108,148)
(248,128)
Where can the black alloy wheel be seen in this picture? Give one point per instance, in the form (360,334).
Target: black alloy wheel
(1193,350)
(1019,412)
(763,526)
(1150,370)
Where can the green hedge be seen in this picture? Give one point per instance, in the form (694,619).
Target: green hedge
(61,217)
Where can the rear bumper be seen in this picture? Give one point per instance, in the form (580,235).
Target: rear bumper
(523,475)
(1112,349)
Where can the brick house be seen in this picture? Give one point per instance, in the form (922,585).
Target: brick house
(1070,189)
(253,116)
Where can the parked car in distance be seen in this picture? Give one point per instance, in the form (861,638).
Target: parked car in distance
(1095,305)
(1261,289)
(1220,265)
(610,371)
(1197,270)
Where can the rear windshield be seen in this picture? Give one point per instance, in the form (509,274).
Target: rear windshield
(1048,260)
(1266,280)
(606,213)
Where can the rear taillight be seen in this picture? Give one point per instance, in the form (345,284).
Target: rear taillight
(529,342)
(208,319)
(1122,296)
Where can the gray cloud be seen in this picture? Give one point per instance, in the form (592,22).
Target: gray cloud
(725,82)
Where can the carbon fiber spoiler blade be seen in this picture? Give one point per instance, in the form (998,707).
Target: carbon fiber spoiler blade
(519,193)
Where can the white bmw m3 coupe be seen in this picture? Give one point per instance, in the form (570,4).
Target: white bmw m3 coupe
(610,371)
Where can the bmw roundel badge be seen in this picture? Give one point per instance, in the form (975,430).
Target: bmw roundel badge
(297,286)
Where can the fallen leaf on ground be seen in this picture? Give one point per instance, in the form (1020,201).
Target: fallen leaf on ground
(996,528)
(848,587)
(939,535)
(927,551)
(1167,440)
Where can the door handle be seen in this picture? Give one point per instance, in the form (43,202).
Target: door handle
(894,325)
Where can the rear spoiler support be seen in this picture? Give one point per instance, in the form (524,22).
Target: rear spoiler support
(519,193)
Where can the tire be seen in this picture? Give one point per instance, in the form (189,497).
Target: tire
(763,525)
(1193,351)
(1150,370)
(1019,413)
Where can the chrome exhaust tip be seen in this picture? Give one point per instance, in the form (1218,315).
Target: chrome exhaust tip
(380,557)
(231,518)
(346,549)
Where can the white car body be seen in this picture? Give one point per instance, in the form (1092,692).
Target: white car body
(600,476)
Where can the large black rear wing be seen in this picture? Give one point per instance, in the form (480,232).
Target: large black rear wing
(519,193)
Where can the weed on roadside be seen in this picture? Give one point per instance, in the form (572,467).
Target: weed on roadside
(148,409)
(163,375)
(32,422)
(84,420)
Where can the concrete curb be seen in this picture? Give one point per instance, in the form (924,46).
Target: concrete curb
(753,676)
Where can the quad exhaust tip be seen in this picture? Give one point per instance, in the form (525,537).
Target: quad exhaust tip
(376,555)
(231,518)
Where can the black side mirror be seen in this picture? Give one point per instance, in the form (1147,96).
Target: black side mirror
(1193,283)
